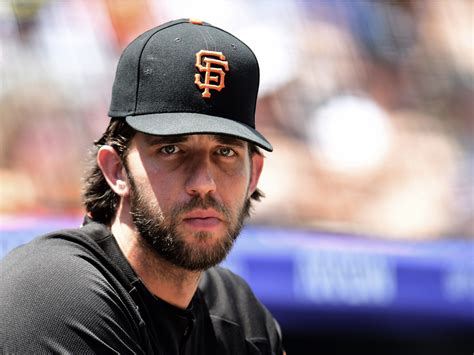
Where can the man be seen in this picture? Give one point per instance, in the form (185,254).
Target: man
(172,182)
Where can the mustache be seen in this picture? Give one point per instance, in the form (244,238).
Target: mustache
(201,203)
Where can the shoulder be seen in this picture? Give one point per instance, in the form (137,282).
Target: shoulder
(65,258)
(59,295)
(235,309)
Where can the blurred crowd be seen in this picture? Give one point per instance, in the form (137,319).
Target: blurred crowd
(368,104)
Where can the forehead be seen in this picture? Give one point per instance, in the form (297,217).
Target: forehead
(216,138)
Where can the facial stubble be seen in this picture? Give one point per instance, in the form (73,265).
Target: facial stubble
(160,232)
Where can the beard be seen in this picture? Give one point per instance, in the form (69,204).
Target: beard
(160,233)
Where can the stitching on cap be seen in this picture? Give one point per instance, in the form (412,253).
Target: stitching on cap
(159,28)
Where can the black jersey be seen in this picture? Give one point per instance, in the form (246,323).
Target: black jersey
(73,291)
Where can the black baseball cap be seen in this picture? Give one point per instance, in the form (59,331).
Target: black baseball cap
(188,77)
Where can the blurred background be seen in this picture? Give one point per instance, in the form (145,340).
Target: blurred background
(365,240)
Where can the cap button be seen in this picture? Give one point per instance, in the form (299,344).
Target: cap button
(195,21)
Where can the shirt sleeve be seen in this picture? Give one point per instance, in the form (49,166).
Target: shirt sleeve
(55,298)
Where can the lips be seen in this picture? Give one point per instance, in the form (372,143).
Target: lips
(203,219)
(202,214)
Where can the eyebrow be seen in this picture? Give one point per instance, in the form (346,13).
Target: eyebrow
(220,138)
(157,140)
(228,140)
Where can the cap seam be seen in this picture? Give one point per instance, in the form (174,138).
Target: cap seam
(245,44)
(158,29)
(251,51)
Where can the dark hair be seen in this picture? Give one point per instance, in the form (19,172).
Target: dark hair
(99,199)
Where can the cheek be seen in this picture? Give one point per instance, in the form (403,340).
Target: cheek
(167,189)
(233,190)
(234,178)
(148,186)
(164,191)
(157,183)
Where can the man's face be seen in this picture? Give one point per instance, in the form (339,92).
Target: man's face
(189,195)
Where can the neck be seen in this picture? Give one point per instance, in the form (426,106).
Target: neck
(170,283)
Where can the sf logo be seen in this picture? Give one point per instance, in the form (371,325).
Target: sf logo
(210,63)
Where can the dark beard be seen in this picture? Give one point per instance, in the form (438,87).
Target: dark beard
(163,238)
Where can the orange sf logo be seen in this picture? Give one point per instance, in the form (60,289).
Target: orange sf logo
(210,62)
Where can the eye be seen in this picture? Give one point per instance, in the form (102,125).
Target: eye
(226,152)
(170,149)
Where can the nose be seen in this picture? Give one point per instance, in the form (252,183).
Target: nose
(200,181)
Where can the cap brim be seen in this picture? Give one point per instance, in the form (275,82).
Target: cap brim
(179,123)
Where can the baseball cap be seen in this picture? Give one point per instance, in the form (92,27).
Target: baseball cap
(188,77)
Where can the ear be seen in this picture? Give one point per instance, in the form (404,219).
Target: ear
(113,170)
(257,166)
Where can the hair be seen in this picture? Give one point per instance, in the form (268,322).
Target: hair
(100,201)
